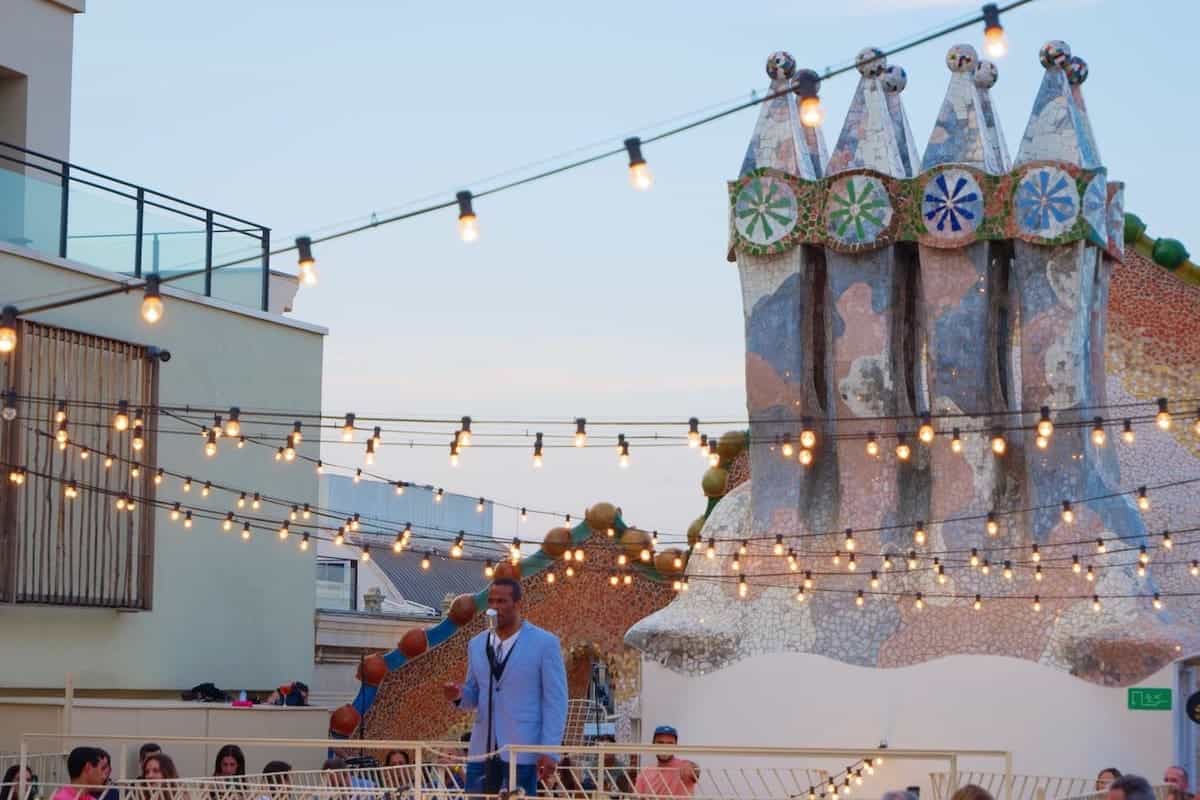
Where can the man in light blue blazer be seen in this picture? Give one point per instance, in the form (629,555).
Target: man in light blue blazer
(523,666)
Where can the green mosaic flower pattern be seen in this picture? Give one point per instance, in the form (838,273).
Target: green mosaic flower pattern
(858,210)
(764,211)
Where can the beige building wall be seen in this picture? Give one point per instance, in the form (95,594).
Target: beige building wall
(238,614)
(36,39)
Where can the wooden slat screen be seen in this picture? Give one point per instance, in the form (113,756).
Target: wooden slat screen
(80,552)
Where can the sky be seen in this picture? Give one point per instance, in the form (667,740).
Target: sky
(581,297)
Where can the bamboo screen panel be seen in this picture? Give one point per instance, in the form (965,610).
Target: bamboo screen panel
(82,551)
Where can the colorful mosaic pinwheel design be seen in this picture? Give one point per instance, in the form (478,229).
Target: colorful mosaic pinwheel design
(764,210)
(858,210)
(953,203)
(1047,202)
(1095,207)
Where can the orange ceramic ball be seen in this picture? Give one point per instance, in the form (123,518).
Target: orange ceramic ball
(633,541)
(507,569)
(556,542)
(601,516)
(462,610)
(730,445)
(665,561)
(344,720)
(372,670)
(413,643)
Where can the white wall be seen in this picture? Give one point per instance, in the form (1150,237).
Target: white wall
(235,613)
(36,40)
(1053,723)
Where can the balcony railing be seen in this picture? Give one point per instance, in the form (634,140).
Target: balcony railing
(62,209)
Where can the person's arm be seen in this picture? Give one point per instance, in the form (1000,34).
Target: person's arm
(470,690)
(554,697)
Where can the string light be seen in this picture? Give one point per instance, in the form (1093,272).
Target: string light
(800,594)
(1045,425)
(1095,603)
(710,552)
(306,264)
(874,579)
(1037,603)
(456,549)
(1068,514)
(743,587)
(978,604)
(8,329)
(985,568)
(339,538)
(1163,417)
(121,418)
(210,445)
(453,452)
(1099,437)
(1075,565)
(72,490)
(1035,554)
(464,432)
(234,426)
(187,484)
(1037,573)
(426,561)
(1143,555)
(1157,602)
(627,579)
(256,501)
(525,516)
(369,457)
(488,570)
(580,431)
(246,531)
(187,520)
(974,561)
(468,224)
(376,436)
(623,458)
(358,475)
(176,511)
(1143,498)
(297,434)
(777,549)
(1195,569)
(283,529)
(926,433)
(1101,547)
(348,428)
(955,441)
(786,447)
(993,525)
(872,444)
(995,43)
(304,542)
(438,495)
(537,450)
(808,437)
(807,84)
(693,432)
(1167,542)
(999,445)
(60,413)
(152,304)
(399,488)
(703,445)
(919,533)
(227,525)
(848,542)
(1127,434)
(9,412)
(639,171)
(714,456)
(1008,571)
(919,603)
(1090,575)
(903,451)
(320,467)
(806,458)
(206,490)
(858,599)
(159,476)
(61,435)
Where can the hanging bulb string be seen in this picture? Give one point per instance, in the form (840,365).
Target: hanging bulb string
(130,285)
(287,417)
(754,540)
(216,516)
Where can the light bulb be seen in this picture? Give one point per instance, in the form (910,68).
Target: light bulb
(903,451)
(995,42)
(210,446)
(808,437)
(1167,542)
(743,587)
(693,435)
(233,427)
(1045,425)
(256,502)
(955,441)
(121,418)
(8,329)
(999,445)
(1042,442)
(304,542)
(806,84)
(1127,434)
(468,225)
(580,432)
(919,533)
(1099,437)
(627,579)
(993,525)
(848,541)
(1195,569)
(623,459)
(858,601)
(306,264)
(152,304)
(1037,603)
(1068,514)
(639,171)
(925,433)
(246,531)
(920,602)
(786,449)
(1095,603)
(348,428)
(872,444)
(283,529)
(1163,417)
(806,458)
(1035,554)
(710,552)
(369,458)
(1143,499)
(187,520)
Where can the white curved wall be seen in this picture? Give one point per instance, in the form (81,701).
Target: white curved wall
(1053,723)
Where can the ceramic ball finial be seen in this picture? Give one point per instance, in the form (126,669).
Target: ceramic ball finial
(962,58)
(871,62)
(781,66)
(894,79)
(1054,54)
(986,75)
(1077,71)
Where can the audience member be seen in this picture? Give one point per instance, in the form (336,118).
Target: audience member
(671,776)
(230,761)
(1177,777)
(147,750)
(10,785)
(397,774)
(1130,787)
(159,766)
(971,792)
(275,773)
(1105,777)
(85,766)
(106,791)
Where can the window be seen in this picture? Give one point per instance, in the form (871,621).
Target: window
(337,585)
(83,551)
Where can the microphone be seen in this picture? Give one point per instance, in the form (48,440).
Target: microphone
(491,619)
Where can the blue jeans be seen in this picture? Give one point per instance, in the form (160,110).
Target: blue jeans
(526,777)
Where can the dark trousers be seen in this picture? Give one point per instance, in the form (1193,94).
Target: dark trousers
(479,772)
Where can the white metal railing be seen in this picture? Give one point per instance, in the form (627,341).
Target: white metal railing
(601,771)
(48,767)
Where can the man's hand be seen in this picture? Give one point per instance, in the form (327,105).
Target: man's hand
(546,767)
(452,691)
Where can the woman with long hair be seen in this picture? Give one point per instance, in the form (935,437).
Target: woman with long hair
(9,786)
(158,772)
(230,761)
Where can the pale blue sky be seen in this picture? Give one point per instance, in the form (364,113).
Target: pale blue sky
(582,297)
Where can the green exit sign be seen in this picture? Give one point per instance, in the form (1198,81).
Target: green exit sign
(1146,699)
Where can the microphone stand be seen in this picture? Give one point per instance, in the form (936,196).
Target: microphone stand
(490,768)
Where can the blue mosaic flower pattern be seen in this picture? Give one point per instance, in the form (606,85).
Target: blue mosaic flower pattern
(765,211)
(857,210)
(1095,208)
(1047,202)
(952,203)
(1116,221)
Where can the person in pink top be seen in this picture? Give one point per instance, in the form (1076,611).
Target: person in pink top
(671,776)
(85,765)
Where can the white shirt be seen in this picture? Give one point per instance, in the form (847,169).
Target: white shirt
(502,647)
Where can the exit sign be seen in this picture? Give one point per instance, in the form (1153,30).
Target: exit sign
(1146,699)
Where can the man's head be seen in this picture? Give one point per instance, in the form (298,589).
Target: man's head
(147,750)
(336,768)
(1130,787)
(665,734)
(505,596)
(1176,776)
(276,773)
(85,766)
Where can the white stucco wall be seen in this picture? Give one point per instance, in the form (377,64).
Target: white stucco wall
(36,38)
(1053,723)
(235,613)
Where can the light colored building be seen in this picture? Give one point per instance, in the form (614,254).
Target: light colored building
(133,602)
